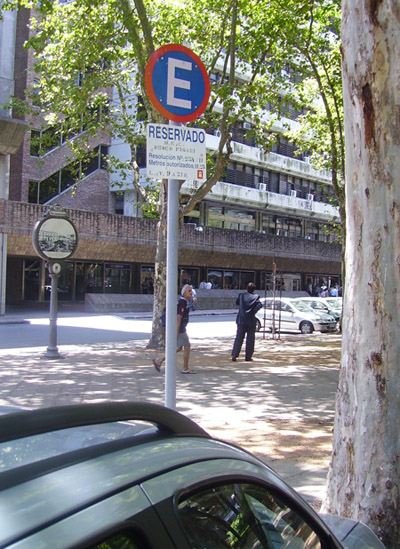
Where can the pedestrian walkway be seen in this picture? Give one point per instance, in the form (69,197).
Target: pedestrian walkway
(22,317)
(280,406)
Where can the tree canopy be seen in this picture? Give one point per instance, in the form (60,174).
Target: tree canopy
(90,59)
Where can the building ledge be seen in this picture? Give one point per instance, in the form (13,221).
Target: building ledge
(12,133)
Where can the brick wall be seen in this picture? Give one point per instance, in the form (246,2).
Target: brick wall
(111,237)
(92,194)
(207,300)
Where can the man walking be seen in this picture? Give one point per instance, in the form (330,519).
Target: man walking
(182,337)
(249,303)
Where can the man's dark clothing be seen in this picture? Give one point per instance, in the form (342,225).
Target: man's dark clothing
(183,310)
(249,304)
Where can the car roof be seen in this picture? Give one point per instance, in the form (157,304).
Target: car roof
(285,299)
(76,494)
(44,433)
(86,475)
(309,298)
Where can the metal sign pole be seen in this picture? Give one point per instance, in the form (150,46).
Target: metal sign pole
(172,291)
(52,349)
(54,239)
(180,97)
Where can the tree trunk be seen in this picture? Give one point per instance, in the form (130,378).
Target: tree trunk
(363,480)
(157,338)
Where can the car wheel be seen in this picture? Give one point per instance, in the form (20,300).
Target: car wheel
(306,328)
(258,325)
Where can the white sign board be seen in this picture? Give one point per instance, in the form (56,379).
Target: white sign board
(176,152)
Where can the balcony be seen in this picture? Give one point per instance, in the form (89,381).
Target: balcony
(247,196)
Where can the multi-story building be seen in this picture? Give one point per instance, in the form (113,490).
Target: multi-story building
(268,209)
(11,130)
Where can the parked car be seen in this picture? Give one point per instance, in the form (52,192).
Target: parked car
(322,305)
(335,302)
(82,476)
(292,314)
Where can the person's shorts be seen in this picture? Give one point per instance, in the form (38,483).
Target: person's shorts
(183,340)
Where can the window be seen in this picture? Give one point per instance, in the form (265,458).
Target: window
(147,279)
(215,277)
(94,278)
(231,280)
(31,279)
(215,217)
(41,192)
(245,278)
(243,515)
(117,278)
(230,218)
(118,541)
(188,275)
(238,219)
(44,141)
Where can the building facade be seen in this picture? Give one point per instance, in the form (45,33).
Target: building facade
(269,211)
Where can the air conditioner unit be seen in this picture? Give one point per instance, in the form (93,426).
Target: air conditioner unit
(247,125)
(293,194)
(310,197)
(262,186)
(217,133)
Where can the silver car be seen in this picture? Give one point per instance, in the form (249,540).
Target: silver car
(322,305)
(284,313)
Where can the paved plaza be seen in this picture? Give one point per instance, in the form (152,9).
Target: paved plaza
(280,406)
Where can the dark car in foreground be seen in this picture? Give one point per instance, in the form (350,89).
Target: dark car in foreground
(87,477)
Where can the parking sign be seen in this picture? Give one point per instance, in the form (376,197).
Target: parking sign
(177,83)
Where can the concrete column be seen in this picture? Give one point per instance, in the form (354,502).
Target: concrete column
(4,177)
(11,131)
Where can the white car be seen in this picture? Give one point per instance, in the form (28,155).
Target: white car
(283,314)
(323,305)
(335,302)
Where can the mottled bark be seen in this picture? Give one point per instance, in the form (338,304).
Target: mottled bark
(363,480)
(157,338)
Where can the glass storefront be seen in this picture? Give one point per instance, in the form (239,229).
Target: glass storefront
(78,278)
(65,283)
(313,282)
(147,279)
(215,278)
(229,280)
(31,279)
(117,278)
(188,275)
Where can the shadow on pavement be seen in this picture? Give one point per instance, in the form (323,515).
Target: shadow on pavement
(280,406)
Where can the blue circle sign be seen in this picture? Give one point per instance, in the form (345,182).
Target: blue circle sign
(177,83)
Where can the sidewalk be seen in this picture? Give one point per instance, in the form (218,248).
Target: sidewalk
(280,407)
(21,317)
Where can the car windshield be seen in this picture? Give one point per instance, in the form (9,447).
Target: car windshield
(317,305)
(302,306)
(335,303)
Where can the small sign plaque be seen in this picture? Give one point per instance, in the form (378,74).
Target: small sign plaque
(176,152)
(54,237)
